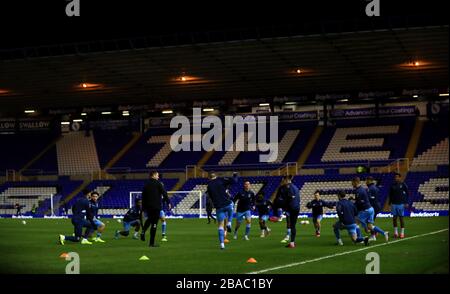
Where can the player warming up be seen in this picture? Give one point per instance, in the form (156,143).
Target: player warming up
(100,225)
(131,219)
(224,206)
(209,208)
(245,204)
(82,216)
(291,198)
(347,211)
(263,207)
(365,210)
(317,206)
(398,199)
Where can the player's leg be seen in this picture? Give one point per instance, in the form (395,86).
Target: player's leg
(100,228)
(239,217)
(77,229)
(401,213)
(293,217)
(288,229)
(336,229)
(394,219)
(154,218)
(248,224)
(221,214)
(351,229)
(374,229)
(88,230)
(162,217)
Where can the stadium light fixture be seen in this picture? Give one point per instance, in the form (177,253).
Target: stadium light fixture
(264,104)
(415,96)
(208,109)
(83,114)
(343,100)
(298,71)
(443,95)
(167,111)
(29,111)
(106,112)
(77,120)
(290,103)
(125,113)
(84,85)
(64,123)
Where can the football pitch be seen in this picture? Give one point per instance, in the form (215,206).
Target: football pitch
(193,248)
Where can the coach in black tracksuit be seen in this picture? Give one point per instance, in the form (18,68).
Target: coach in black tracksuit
(151,205)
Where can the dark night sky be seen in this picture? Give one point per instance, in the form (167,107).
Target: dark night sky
(33,23)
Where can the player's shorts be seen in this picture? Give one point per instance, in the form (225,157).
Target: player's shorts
(398,209)
(98,223)
(264,217)
(366,217)
(351,229)
(224,212)
(317,218)
(243,215)
(162,214)
(128,225)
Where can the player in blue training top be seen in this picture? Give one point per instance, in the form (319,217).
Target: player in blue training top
(346,212)
(100,225)
(398,199)
(245,204)
(365,210)
(82,216)
(217,190)
(317,205)
(263,207)
(131,219)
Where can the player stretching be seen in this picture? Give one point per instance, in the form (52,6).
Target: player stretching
(100,225)
(365,210)
(398,199)
(263,208)
(131,219)
(347,211)
(82,216)
(224,206)
(317,210)
(245,204)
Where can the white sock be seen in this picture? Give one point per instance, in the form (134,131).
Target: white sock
(403,230)
(395,230)
(222,245)
(135,234)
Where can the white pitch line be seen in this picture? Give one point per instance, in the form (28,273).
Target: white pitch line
(344,253)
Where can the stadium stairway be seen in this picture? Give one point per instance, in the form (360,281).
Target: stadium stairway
(75,192)
(37,157)
(309,147)
(414,141)
(136,136)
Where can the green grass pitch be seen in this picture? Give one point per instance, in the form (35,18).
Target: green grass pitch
(193,248)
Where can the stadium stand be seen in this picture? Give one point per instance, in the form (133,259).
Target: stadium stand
(28,145)
(361,140)
(36,193)
(77,154)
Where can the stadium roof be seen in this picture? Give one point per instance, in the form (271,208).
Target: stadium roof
(131,71)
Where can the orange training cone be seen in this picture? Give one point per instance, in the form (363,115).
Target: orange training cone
(64,255)
(251,260)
